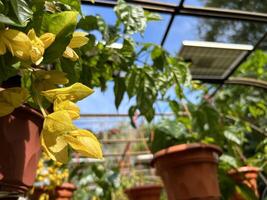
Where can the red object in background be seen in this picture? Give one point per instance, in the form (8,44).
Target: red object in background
(65,191)
(147,192)
(248,176)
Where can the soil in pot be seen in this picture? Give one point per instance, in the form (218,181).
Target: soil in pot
(19,150)
(189,171)
(246,175)
(147,192)
(64,192)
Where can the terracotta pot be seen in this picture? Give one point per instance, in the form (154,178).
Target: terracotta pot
(189,171)
(19,150)
(147,192)
(248,176)
(65,191)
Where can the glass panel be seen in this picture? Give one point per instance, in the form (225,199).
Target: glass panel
(214,30)
(243,5)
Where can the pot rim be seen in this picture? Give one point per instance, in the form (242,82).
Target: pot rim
(67,185)
(27,108)
(245,169)
(185,147)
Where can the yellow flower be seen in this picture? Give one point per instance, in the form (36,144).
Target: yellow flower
(11,98)
(39,44)
(70,107)
(77,41)
(16,42)
(73,93)
(58,133)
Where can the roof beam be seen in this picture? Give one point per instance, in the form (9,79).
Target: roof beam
(188,10)
(247,81)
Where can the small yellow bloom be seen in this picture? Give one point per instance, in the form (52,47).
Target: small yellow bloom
(77,41)
(16,42)
(70,107)
(85,143)
(73,93)
(58,122)
(58,133)
(11,98)
(39,45)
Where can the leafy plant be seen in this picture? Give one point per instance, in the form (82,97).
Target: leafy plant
(95,182)
(31,46)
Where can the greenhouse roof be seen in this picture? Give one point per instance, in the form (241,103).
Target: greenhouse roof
(198,20)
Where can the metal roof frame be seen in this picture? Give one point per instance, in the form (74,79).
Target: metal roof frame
(181,9)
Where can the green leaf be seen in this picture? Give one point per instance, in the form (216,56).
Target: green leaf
(229,160)
(17,13)
(63,25)
(131,113)
(74,4)
(119,90)
(150,16)
(72,69)
(158,56)
(131,84)
(22,11)
(232,137)
(2,7)
(8,67)
(175,107)
(88,23)
(132,17)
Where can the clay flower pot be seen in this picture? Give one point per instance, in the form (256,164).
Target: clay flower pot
(19,150)
(246,175)
(147,192)
(189,171)
(64,192)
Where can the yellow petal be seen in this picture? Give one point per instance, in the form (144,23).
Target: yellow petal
(12,98)
(32,34)
(38,47)
(59,145)
(58,122)
(73,93)
(2,47)
(47,39)
(85,143)
(70,107)
(17,43)
(48,141)
(78,40)
(70,54)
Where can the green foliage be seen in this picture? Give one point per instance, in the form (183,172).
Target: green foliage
(132,17)
(95,182)
(15,12)
(167,133)
(62,25)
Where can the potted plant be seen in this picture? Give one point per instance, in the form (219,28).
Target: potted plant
(141,187)
(38,111)
(52,181)
(238,171)
(183,158)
